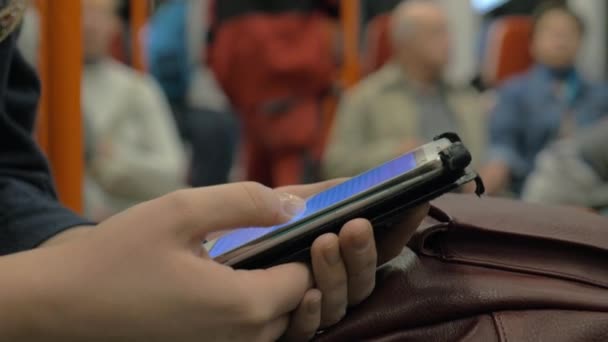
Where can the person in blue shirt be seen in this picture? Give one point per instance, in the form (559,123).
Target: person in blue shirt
(552,100)
(176,49)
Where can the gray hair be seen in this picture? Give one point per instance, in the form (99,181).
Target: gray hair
(401,23)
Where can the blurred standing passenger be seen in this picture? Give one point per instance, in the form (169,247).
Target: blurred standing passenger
(275,61)
(548,102)
(407,102)
(176,47)
(136,153)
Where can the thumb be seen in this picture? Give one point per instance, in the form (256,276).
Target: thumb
(196,212)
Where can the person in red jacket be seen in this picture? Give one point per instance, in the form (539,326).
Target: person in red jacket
(275,61)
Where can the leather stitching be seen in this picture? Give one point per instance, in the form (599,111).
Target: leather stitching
(502,335)
(518,268)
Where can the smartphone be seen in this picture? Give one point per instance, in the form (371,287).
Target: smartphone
(380,195)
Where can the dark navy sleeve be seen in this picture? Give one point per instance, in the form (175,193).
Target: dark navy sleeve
(29,210)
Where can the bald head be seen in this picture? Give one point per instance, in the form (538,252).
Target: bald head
(419,33)
(412,14)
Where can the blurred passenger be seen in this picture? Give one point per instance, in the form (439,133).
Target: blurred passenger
(407,102)
(548,102)
(136,153)
(275,61)
(573,172)
(176,48)
(493,13)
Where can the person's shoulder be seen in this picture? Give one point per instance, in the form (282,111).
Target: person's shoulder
(461,89)
(516,83)
(375,83)
(120,70)
(597,88)
(596,97)
(117,71)
(124,74)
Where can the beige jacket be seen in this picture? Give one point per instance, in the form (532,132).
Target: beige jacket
(127,113)
(377,116)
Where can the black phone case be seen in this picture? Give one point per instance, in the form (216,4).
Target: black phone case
(382,214)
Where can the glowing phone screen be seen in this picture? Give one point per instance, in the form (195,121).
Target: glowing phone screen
(485,6)
(321,201)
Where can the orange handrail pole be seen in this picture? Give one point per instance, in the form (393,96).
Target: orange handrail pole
(139,16)
(42,121)
(62,60)
(351,28)
(350,25)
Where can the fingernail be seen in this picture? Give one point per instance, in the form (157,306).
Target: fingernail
(292,205)
(315,304)
(332,255)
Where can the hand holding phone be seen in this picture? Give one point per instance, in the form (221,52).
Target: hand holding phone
(389,245)
(380,195)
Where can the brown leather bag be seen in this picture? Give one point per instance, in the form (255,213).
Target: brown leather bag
(491,270)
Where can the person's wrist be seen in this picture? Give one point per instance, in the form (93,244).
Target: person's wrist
(28,308)
(67,235)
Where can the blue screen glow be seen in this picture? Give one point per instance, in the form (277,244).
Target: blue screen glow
(485,6)
(321,201)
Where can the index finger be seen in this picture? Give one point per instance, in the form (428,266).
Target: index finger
(308,190)
(194,213)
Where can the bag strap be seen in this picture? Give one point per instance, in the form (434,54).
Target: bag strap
(554,242)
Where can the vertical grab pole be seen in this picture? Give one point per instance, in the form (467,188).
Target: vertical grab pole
(61,33)
(139,15)
(351,29)
(350,26)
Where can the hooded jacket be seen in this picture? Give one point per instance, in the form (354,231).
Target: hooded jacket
(29,210)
